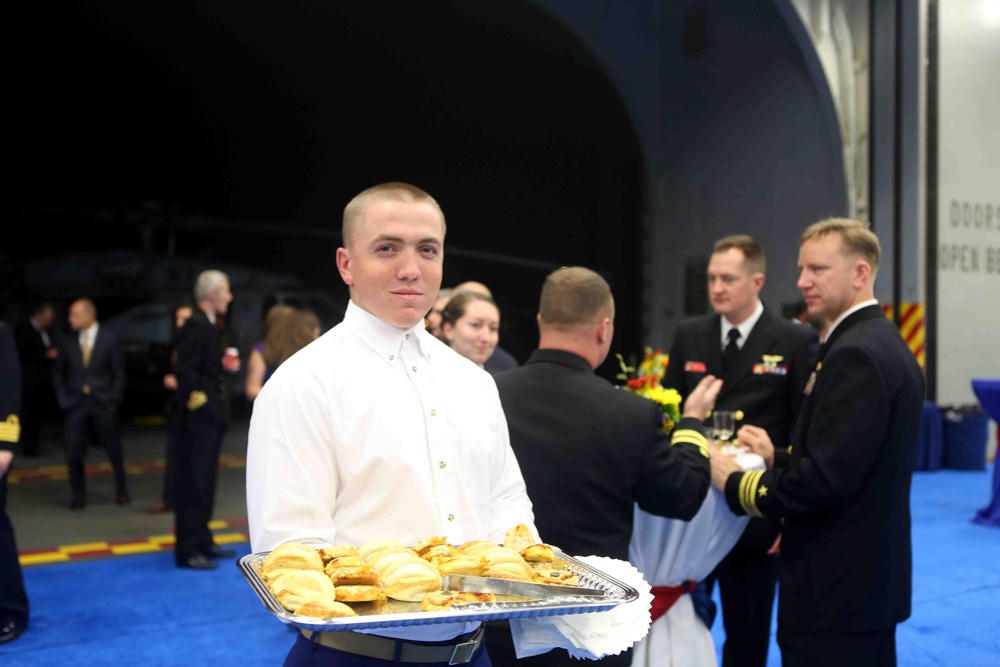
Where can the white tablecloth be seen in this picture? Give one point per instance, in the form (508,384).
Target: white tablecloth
(668,552)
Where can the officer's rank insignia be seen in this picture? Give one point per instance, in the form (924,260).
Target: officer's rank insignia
(769,365)
(812,380)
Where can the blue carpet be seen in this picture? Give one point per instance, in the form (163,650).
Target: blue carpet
(143,610)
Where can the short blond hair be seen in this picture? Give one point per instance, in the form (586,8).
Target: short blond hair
(753,255)
(573,296)
(855,238)
(397,191)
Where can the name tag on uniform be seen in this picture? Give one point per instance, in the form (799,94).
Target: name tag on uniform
(695,367)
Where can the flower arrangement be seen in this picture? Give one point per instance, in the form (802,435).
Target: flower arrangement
(645,381)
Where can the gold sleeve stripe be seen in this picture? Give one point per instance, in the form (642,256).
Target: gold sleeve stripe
(692,437)
(748,492)
(10,430)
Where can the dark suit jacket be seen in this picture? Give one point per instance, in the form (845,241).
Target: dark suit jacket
(845,497)
(589,451)
(501,360)
(105,375)
(769,395)
(36,368)
(199,361)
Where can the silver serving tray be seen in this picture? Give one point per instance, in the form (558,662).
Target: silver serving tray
(395,613)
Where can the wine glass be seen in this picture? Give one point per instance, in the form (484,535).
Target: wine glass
(723,424)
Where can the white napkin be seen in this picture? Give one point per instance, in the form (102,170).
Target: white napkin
(593,635)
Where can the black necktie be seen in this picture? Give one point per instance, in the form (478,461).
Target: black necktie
(732,349)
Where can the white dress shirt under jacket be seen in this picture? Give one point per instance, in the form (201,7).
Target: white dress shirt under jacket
(372,431)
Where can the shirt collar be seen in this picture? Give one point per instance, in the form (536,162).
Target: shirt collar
(385,339)
(89,333)
(745,327)
(844,315)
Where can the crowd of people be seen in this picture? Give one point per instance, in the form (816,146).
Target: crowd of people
(408,419)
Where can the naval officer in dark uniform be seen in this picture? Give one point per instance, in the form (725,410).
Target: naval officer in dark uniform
(764,362)
(845,577)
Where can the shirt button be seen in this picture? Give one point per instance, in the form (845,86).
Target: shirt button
(442,464)
(407,336)
(433,412)
(414,369)
(428,357)
(451,517)
(392,357)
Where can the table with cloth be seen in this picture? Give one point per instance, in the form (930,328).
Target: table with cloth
(987,390)
(672,555)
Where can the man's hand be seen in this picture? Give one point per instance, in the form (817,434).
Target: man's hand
(722,467)
(5,458)
(701,401)
(758,441)
(170,381)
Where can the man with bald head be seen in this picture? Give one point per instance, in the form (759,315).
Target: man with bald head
(379,429)
(89,379)
(588,450)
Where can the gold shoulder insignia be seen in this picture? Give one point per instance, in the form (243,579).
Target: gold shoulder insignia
(10,429)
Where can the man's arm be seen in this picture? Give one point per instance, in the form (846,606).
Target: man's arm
(10,398)
(848,425)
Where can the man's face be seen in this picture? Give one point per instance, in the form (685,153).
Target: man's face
(731,288)
(181,315)
(46,318)
(828,278)
(220,299)
(80,317)
(393,261)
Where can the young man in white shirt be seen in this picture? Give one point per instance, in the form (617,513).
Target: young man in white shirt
(378,429)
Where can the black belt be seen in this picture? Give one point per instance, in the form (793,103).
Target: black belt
(384,648)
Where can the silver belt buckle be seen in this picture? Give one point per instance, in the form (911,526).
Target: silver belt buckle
(463,652)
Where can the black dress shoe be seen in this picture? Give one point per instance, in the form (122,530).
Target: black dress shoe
(11,631)
(218,552)
(123,499)
(198,562)
(77,504)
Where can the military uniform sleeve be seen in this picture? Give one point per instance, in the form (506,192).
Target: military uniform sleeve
(10,390)
(679,474)
(848,424)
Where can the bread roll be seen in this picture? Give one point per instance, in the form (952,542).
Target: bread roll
(377,544)
(477,548)
(291,556)
(519,538)
(319,607)
(443,600)
(358,575)
(538,553)
(451,564)
(294,588)
(423,545)
(359,593)
(327,554)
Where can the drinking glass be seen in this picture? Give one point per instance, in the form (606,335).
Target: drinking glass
(723,424)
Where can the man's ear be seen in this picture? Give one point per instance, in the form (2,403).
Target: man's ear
(344,265)
(862,270)
(758,281)
(604,331)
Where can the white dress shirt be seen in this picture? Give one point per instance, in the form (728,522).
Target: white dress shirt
(847,313)
(745,327)
(89,336)
(371,431)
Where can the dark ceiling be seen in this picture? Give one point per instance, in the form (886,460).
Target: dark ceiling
(270,116)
